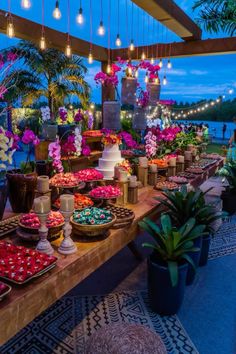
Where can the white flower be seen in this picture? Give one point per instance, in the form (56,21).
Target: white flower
(46,115)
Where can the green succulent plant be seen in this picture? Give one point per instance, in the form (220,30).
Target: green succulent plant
(173,245)
(228,171)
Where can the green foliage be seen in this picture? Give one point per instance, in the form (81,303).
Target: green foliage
(183,205)
(27,167)
(217,15)
(126,125)
(48,74)
(229,172)
(173,245)
(183,140)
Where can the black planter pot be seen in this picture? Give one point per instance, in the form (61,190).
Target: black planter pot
(164,298)
(3,195)
(229,201)
(43,168)
(65,129)
(196,258)
(204,250)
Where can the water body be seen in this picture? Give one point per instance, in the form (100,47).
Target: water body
(215,128)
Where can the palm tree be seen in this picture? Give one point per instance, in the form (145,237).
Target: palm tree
(47,74)
(217,15)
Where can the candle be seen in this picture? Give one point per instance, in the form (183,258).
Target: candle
(133,181)
(117,172)
(153,167)
(43,184)
(143,161)
(180,158)
(42,205)
(123,176)
(67,202)
(188,155)
(172,161)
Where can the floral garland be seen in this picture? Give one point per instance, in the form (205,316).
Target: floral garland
(54,152)
(150,145)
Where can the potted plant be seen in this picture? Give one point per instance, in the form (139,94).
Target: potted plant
(228,172)
(183,205)
(22,182)
(168,264)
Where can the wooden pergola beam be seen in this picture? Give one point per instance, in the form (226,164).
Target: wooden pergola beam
(29,30)
(172,16)
(180,49)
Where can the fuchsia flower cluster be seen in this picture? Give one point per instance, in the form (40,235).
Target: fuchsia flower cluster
(63,114)
(168,134)
(30,138)
(108,79)
(69,147)
(78,116)
(54,152)
(128,140)
(143,98)
(151,145)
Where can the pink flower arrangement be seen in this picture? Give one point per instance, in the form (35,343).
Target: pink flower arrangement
(78,116)
(168,134)
(108,79)
(128,140)
(111,139)
(105,192)
(69,147)
(54,152)
(150,145)
(63,114)
(86,151)
(143,98)
(30,138)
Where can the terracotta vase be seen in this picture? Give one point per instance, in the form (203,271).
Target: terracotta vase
(21,191)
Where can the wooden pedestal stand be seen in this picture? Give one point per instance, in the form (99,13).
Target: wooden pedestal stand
(143,175)
(152,178)
(171,171)
(179,167)
(123,199)
(133,195)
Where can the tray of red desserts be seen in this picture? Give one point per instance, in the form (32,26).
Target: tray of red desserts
(66,180)
(19,264)
(88,175)
(4,290)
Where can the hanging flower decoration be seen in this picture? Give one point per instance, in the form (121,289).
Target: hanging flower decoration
(46,114)
(150,145)
(108,79)
(143,98)
(54,152)
(8,145)
(63,114)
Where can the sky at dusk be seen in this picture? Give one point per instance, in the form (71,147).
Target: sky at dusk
(190,79)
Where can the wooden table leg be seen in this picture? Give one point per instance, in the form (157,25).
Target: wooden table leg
(133,248)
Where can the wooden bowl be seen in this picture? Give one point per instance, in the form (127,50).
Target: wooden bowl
(53,232)
(91,230)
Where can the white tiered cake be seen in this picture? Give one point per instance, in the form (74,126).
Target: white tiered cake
(111,156)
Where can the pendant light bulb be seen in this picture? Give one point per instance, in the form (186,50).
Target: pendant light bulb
(164,81)
(160,63)
(169,64)
(56,12)
(131,47)
(25,4)
(80,18)
(101,29)
(136,73)
(42,43)
(146,78)
(143,56)
(108,69)
(152,61)
(129,70)
(90,58)
(156,80)
(118,41)
(68,51)
(10,29)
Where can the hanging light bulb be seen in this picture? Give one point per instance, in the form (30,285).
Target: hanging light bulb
(42,43)
(56,12)
(90,57)
(131,47)
(152,61)
(26,4)
(101,29)
(164,81)
(156,80)
(160,63)
(136,73)
(68,51)
(118,41)
(146,78)
(10,28)
(169,64)
(108,68)
(80,18)
(143,56)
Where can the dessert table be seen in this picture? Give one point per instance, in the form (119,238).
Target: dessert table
(26,302)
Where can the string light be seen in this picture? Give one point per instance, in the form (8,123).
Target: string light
(56,12)
(42,43)
(169,64)
(131,47)
(118,40)
(164,81)
(108,68)
(146,78)
(152,61)
(160,63)
(10,25)
(80,17)
(26,4)
(143,56)
(68,51)
(136,73)
(129,70)
(90,58)
(101,28)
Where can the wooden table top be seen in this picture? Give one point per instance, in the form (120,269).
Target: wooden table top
(26,302)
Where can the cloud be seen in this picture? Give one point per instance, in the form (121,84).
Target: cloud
(177,72)
(198,72)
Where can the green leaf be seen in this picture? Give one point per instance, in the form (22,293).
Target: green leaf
(173,270)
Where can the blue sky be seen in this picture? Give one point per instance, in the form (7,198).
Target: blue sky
(191,79)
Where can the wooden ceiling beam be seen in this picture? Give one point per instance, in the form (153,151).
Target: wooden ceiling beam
(29,30)
(180,49)
(172,16)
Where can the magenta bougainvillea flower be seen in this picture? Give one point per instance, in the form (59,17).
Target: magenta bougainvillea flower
(30,138)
